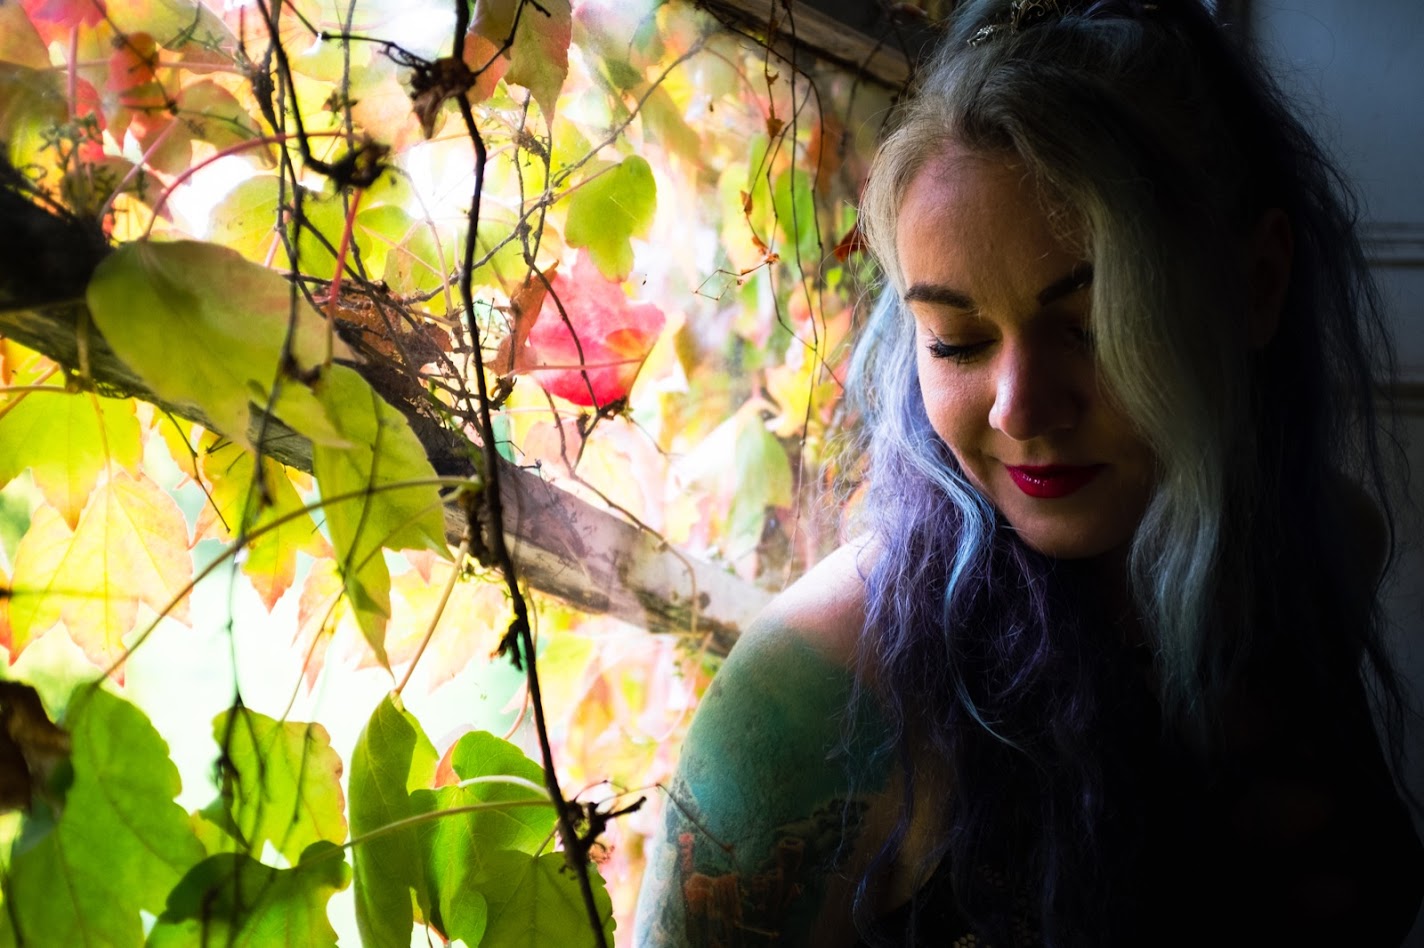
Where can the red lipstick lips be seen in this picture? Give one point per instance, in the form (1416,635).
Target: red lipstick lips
(1052,480)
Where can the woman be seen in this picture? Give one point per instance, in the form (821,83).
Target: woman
(1097,674)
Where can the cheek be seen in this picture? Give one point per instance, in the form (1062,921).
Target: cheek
(953,408)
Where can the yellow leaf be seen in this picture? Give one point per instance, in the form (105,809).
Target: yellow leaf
(131,547)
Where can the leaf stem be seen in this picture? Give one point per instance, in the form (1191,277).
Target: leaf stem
(460,555)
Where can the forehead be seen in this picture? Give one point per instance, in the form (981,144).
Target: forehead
(968,216)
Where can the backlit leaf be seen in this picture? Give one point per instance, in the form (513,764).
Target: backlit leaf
(238,504)
(19,42)
(121,843)
(382,450)
(131,547)
(214,115)
(286,783)
(174,23)
(392,757)
(457,846)
(205,328)
(232,900)
(32,103)
(614,205)
(534,901)
(246,221)
(67,440)
(539,56)
(612,335)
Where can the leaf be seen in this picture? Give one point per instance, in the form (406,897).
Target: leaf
(382,450)
(32,104)
(205,328)
(20,43)
(67,14)
(457,846)
(597,363)
(663,120)
(758,478)
(241,506)
(121,843)
(609,208)
(214,115)
(67,440)
(525,828)
(177,24)
(536,902)
(131,547)
(525,305)
(286,782)
(246,219)
(392,757)
(539,55)
(231,899)
(795,206)
(471,623)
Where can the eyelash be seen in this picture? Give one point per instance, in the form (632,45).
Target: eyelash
(940,349)
(944,350)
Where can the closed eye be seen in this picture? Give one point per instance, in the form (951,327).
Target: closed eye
(940,349)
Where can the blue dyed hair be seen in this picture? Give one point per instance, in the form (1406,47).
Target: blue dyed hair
(1165,142)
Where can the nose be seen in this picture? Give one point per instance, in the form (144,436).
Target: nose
(1033,395)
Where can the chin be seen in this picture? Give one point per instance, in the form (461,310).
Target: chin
(1065,542)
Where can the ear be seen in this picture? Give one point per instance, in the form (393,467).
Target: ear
(1271,251)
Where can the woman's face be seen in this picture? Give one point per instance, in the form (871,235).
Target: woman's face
(1006,366)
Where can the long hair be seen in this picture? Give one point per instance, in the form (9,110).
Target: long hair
(1165,142)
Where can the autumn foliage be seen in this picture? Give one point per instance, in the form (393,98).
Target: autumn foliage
(608,243)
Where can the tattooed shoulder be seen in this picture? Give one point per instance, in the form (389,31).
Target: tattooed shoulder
(767,811)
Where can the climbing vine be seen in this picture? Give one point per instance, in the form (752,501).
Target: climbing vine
(372,372)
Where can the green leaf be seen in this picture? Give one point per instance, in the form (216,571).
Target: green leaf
(121,843)
(482,754)
(67,440)
(765,470)
(535,902)
(457,846)
(392,757)
(286,786)
(795,205)
(233,900)
(608,210)
(382,450)
(207,329)
(32,103)
(246,221)
(539,55)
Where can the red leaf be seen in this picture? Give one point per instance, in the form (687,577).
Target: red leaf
(614,333)
(53,16)
(851,243)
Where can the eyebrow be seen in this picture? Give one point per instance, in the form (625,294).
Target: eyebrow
(938,294)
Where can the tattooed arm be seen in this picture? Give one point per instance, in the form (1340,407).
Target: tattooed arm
(760,836)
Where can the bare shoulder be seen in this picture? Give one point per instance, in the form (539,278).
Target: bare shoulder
(766,810)
(825,607)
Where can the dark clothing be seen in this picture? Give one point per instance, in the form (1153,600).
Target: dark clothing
(1294,836)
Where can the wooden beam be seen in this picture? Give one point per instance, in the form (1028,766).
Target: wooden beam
(829,37)
(562,545)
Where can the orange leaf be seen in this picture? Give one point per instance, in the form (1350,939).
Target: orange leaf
(524,308)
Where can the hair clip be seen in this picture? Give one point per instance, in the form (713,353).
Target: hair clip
(1022,14)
